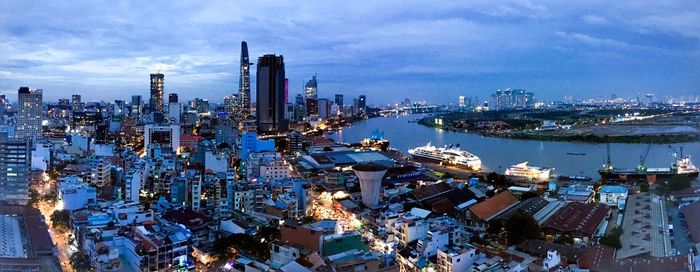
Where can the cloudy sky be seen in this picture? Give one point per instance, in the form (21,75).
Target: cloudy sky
(434,50)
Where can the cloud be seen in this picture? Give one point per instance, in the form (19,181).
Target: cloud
(594,19)
(592,41)
(379,48)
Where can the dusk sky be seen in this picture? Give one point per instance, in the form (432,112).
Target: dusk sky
(433,50)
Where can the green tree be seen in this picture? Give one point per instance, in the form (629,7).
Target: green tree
(80,261)
(644,186)
(678,182)
(613,238)
(521,226)
(528,195)
(60,220)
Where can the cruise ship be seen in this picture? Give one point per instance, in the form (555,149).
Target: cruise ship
(449,155)
(524,171)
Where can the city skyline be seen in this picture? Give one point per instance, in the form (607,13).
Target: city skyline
(435,52)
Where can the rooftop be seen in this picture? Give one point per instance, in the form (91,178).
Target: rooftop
(492,206)
(578,217)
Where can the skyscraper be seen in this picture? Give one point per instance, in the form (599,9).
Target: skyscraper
(29,113)
(76,103)
(14,170)
(270,94)
(311,89)
(339,100)
(156,102)
(244,81)
(174,108)
(362,104)
(136,104)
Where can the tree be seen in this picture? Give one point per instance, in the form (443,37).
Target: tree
(678,182)
(80,261)
(60,220)
(528,195)
(644,186)
(495,227)
(613,238)
(520,227)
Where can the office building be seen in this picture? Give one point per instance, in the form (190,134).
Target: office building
(136,106)
(167,136)
(29,113)
(462,101)
(14,170)
(76,103)
(174,108)
(156,103)
(311,89)
(244,81)
(339,100)
(362,104)
(270,94)
(324,108)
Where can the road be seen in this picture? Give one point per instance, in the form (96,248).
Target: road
(60,240)
(680,233)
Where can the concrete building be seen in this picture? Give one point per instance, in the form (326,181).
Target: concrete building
(14,170)
(174,108)
(29,113)
(167,136)
(613,195)
(75,194)
(370,176)
(456,259)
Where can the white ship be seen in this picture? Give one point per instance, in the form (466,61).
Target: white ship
(449,155)
(522,170)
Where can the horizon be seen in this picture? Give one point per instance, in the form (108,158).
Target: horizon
(431,52)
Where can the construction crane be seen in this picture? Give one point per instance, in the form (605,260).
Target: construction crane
(608,163)
(642,159)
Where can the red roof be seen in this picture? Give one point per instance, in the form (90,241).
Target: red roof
(190,138)
(578,217)
(492,206)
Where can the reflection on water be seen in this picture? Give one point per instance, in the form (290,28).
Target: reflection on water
(498,153)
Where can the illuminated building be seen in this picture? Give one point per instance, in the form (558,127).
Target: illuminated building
(156,102)
(14,170)
(244,81)
(29,113)
(311,89)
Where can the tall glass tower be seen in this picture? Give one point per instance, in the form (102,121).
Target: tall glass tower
(156,102)
(270,94)
(244,81)
(311,89)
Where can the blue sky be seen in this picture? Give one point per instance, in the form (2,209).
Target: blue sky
(433,50)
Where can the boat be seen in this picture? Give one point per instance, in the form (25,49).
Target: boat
(575,154)
(575,178)
(683,166)
(376,141)
(447,155)
(527,172)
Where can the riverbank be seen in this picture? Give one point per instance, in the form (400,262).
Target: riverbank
(591,134)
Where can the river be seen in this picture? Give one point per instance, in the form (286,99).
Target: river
(498,153)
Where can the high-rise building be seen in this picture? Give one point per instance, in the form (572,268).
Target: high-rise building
(339,100)
(311,89)
(14,170)
(324,108)
(76,103)
(462,102)
(244,81)
(270,94)
(168,137)
(157,92)
(174,108)
(136,106)
(510,99)
(29,113)
(286,90)
(362,104)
